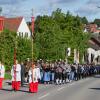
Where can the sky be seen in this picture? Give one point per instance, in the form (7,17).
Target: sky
(88,8)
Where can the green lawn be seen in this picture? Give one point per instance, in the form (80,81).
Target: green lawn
(7,76)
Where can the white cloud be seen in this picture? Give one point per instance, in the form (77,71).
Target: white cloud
(63,1)
(10,2)
(90,8)
(11,7)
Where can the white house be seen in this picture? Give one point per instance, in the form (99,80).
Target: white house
(95,53)
(17,25)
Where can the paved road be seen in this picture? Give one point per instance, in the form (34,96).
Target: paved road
(87,89)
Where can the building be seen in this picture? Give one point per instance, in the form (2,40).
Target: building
(92,28)
(1,23)
(17,25)
(93,52)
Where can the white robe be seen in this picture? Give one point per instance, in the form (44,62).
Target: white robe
(34,75)
(38,73)
(17,72)
(2,71)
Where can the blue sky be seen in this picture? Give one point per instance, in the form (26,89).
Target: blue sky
(86,8)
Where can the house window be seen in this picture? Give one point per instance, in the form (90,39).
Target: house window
(19,34)
(22,34)
(26,34)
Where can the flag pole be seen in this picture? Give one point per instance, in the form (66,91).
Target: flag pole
(32,26)
(15,51)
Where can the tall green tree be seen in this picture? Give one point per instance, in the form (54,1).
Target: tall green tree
(57,32)
(97,21)
(24,49)
(7,44)
(84,20)
(10,40)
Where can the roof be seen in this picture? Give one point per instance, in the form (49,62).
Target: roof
(94,43)
(1,23)
(96,47)
(12,24)
(1,18)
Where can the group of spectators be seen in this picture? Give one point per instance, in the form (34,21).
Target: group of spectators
(57,72)
(60,72)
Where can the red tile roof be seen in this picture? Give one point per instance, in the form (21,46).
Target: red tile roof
(1,23)
(12,24)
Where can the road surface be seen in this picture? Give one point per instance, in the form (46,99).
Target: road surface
(86,89)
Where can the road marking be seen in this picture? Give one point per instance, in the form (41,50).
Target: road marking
(44,96)
(60,88)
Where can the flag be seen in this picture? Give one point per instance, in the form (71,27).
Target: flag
(68,51)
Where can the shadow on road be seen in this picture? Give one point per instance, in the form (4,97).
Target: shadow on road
(95,88)
(24,91)
(7,89)
(9,83)
(97,76)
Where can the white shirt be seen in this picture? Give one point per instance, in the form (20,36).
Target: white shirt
(38,73)
(2,71)
(16,72)
(34,75)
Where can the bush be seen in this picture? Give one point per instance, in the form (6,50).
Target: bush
(7,76)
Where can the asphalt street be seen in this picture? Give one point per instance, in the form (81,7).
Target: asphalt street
(86,89)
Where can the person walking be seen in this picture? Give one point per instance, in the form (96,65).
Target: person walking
(46,77)
(16,76)
(52,71)
(2,73)
(22,74)
(72,73)
(34,75)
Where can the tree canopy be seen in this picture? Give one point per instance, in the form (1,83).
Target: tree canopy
(52,35)
(97,21)
(8,41)
(57,32)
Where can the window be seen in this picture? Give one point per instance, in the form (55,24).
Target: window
(26,34)
(22,34)
(19,34)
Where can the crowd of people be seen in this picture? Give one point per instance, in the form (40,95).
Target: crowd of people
(44,72)
(60,72)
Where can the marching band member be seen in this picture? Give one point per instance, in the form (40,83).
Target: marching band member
(2,73)
(16,76)
(34,75)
